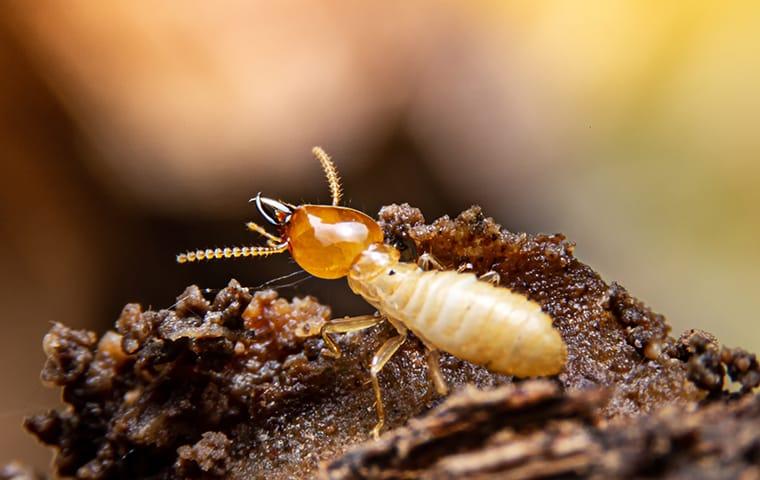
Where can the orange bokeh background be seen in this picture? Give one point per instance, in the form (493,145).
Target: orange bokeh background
(133,130)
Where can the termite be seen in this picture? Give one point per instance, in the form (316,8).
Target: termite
(454,311)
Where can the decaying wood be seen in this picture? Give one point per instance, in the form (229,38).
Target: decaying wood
(239,387)
(533,430)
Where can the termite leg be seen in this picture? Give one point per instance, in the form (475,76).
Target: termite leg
(345,325)
(491,277)
(428,261)
(433,358)
(466,266)
(434,366)
(378,362)
(271,239)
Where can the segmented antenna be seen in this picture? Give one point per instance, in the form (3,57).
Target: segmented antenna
(230,252)
(333,179)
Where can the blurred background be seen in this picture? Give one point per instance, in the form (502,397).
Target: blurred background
(132,130)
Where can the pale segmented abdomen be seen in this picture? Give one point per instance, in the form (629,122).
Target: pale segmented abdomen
(471,319)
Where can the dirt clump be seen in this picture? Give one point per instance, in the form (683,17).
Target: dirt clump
(238,386)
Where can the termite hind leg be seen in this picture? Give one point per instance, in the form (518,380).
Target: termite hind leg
(345,325)
(434,366)
(433,359)
(492,277)
(379,360)
(427,261)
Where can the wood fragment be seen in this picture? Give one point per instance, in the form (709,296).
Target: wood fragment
(533,430)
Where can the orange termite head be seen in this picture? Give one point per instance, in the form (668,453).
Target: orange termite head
(323,239)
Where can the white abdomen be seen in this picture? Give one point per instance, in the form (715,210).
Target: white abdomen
(471,319)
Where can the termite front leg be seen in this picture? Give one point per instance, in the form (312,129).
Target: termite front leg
(345,325)
(378,362)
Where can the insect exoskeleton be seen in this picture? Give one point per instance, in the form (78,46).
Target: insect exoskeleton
(459,314)
(447,310)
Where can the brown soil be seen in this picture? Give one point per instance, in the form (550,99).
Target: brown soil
(237,387)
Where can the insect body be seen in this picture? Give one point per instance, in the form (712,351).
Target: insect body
(448,310)
(459,314)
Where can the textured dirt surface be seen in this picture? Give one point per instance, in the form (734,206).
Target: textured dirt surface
(229,388)
(533,430)
(613,339)
(238,387)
